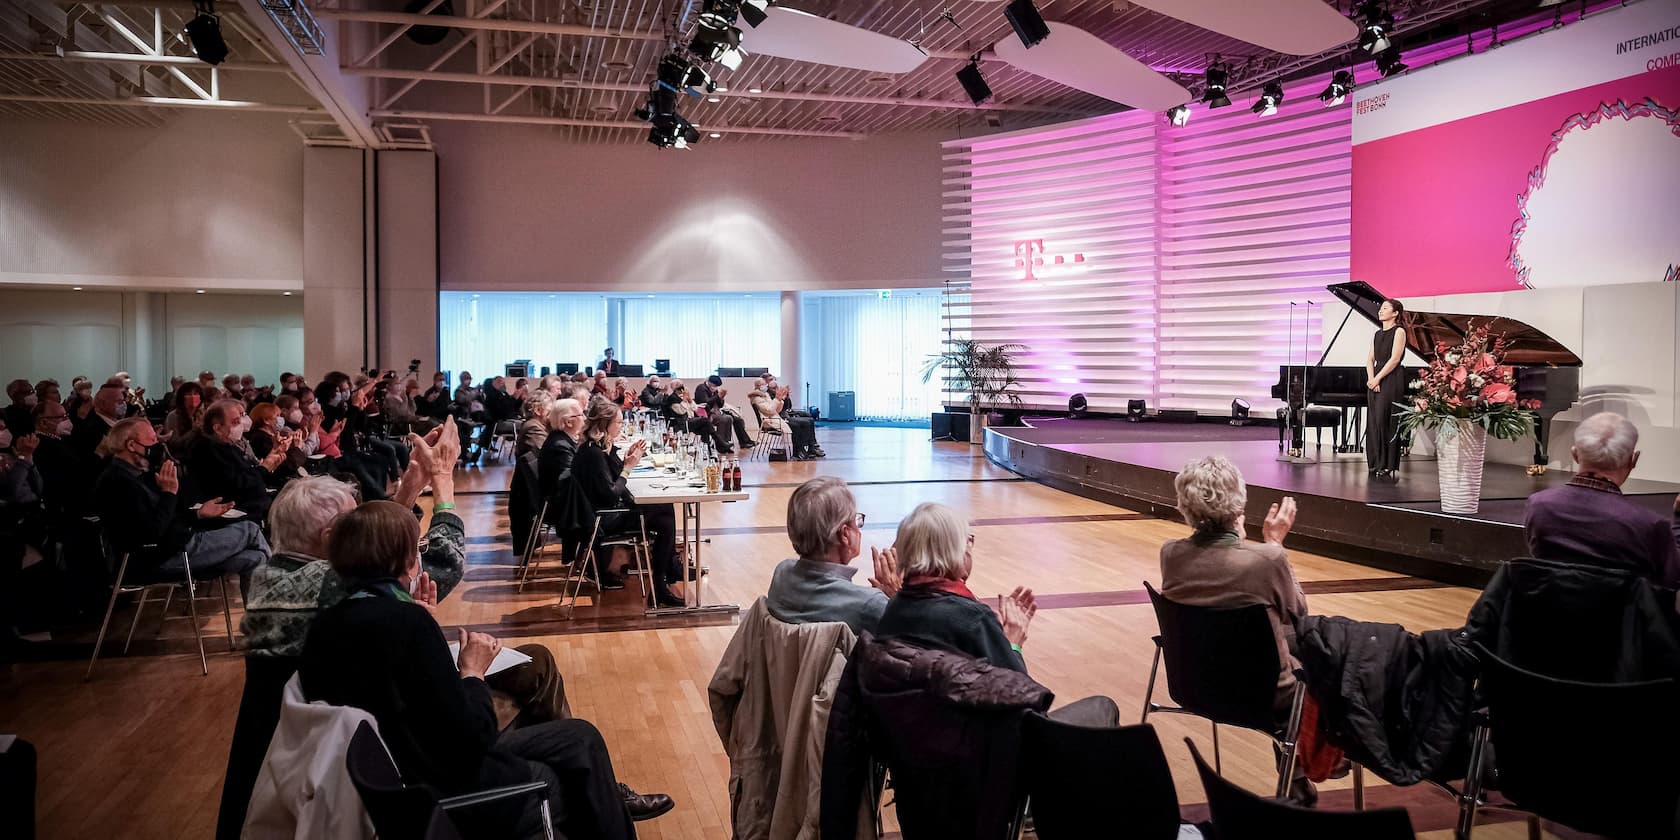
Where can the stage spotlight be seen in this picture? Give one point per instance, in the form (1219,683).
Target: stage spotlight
(716,39)
(973,82)
(1029,25)
(1178,114)
(673,132)
(1077,405)
(1340,86)
(1135,410)
(1239,412)
(204,33)
(679,74)
(1271,96)
(1388,62)
(1375,26)
(1214,93)
(755,11)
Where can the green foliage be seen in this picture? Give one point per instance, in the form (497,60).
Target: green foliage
(986,374)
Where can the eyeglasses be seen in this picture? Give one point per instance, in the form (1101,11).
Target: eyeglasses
(859,519)
(423,545)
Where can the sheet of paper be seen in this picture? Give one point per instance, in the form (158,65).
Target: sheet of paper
(507,658)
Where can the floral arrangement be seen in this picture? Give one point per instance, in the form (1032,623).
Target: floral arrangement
(1469,383)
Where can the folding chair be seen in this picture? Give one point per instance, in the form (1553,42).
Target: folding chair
(1066,768)
(169,583)
(588,566)
(1222,664)
(417,812)
(1240,815)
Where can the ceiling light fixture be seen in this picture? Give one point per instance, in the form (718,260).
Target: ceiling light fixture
(1388,62)
(1214,92)
(75,288)
(1178,115)
(717,39)
(204,32)
(1376,23)
(1271,96)
(714,135)
(1336,92)
(755,89)
(199,291)
(285,294)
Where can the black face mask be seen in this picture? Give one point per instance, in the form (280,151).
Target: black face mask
(156,454)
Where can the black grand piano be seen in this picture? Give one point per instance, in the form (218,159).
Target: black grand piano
(1546,370)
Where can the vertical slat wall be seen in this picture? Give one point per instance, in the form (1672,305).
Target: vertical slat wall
(1086,189)
(1254,216)
(1196,239)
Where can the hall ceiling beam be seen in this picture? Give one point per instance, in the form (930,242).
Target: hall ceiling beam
(164,102)
(574,84)
(92,57)
(524,119)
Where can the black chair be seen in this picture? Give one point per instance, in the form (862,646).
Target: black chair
(169,582)
(1559,768)
(1240,815)
(1068,769)
(1222,664)
(416,812)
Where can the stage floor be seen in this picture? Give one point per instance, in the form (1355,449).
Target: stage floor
(1393,523)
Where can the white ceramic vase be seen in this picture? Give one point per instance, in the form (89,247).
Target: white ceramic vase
(1460,452)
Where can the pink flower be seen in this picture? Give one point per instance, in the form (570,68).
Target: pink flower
(1499,393)
(1528,404)
(1459,375)
(1422,403)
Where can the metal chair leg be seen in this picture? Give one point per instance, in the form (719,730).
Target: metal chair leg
(1149,693)
(138,609)
(547,819)
(227,612)
(192,615)
(1292,735)
(116,591)
(163,618)
(1472,785)
(1216,767)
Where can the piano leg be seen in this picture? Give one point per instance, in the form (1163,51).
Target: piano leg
(1541,457)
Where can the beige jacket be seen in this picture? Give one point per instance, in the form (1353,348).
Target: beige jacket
(770,698)
(768,409)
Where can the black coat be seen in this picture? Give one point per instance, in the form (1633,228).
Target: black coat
(1397,702)
(226,471)
(947,725)
(599,476)
(139,518)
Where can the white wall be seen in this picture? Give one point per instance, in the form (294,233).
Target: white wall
(61,334)
(523,211)
(206,201)
(1626,337)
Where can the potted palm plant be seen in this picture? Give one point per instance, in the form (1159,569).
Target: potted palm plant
(986,374)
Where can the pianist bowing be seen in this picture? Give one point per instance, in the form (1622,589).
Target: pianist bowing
(1385,386)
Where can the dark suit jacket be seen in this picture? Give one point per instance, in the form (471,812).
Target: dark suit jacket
(67,475)
(138,517)
(1575,524)
(226,471)
(87,433)
(554,463)
(600,478)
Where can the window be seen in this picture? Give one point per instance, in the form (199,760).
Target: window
(875,346)
(701,333)
(482,332)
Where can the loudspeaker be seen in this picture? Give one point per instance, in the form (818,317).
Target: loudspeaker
(1176,415)
(1027,22)
(950,425)
(974,83)
(1135,410)
(1077,405)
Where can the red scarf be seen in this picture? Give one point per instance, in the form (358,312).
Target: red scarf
(941,584)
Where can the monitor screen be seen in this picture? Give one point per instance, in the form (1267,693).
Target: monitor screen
(630,371)
(566,368)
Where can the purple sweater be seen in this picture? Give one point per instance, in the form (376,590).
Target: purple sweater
(1581,524)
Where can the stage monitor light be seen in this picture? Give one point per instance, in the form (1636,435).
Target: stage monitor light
(1214,92)
(1239,412)
(1388,62)
(1336,92)
(1271,96)
(1178,115)
(1078,405)
(1376,23)
(1135,410)
(755,11)
(974,83)
(714,39)
(1028,24)
(204,33)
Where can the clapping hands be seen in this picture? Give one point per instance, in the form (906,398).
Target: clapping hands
(1015,612)
(887,577)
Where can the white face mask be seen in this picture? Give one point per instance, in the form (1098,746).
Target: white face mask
(243,427)
(295,417)
(65,427)
(30,400)
(280,423)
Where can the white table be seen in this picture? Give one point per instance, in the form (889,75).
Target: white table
(665,489)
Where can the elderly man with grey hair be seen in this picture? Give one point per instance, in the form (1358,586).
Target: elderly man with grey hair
(1589,521)
(827,532)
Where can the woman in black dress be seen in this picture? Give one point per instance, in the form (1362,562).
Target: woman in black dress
(600,475)
(1385,384)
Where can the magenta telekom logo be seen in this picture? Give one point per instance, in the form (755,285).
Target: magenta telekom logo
(1029,257)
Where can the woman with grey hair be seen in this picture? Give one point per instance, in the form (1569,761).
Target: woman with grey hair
(533,429)
(935,608)
(827,533)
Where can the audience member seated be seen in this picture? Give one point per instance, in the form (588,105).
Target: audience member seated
(436,401)
(565,422)
(223,465)
(66,474)
(683,415)
(141,512)
(1216,567)
(934,607)
(827,532)
(342,433)
(402,409)
(532,432)
(24,399)
(771,405)
(653,396)
(269,433)
(104,411)
(623,397)
(710,395)
(381,650)
(601,386)
(1589,521)
(81,394)
(180,426)
(600,474)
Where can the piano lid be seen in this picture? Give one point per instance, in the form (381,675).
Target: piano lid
(1524,345)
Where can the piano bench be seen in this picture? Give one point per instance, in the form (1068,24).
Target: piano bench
(1318,417)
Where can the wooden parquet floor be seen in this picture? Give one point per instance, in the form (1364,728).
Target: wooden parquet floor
(139,751)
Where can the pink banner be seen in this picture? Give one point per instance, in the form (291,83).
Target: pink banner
(1441,210)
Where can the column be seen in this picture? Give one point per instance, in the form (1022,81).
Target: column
(407,295)
(790,371)
(334,250)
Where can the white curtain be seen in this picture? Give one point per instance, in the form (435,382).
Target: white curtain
(701,333)
(481,332)
(876,346)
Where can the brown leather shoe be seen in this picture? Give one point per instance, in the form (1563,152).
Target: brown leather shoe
(645,806)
